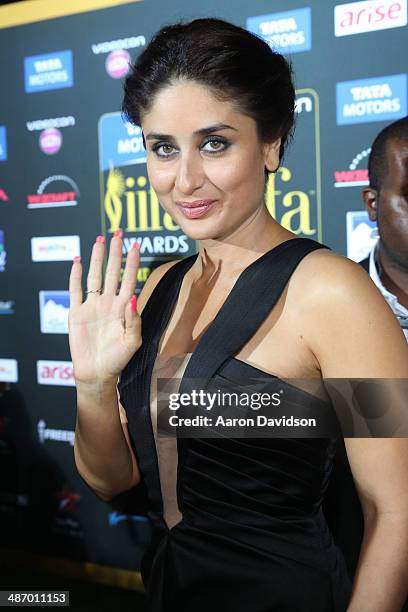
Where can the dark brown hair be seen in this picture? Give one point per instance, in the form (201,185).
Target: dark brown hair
(235,64)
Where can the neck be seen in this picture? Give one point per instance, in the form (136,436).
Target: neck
(233,253)
(393,277)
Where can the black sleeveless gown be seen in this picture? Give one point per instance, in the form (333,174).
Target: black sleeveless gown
(253,536)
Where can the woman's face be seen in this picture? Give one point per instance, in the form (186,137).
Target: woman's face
(201,151)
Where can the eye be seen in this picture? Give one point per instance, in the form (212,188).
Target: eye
(165,146)
(218,144)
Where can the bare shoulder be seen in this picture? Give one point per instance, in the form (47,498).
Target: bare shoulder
(150,284)
(328,276)
(348,325)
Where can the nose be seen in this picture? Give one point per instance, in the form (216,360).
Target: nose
(190,173)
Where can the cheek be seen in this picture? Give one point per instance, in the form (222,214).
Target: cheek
(161,178)
(239,174)
(393,217)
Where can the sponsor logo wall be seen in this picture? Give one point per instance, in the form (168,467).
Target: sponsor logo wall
(71,168)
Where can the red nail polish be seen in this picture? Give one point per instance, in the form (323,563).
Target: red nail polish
(77,259)
(136,245)
(100,239)
(118,232)
(133,301)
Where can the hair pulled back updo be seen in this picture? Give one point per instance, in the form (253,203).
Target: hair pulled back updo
(236,65)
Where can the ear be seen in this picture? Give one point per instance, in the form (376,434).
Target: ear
(370,197)
(271,155)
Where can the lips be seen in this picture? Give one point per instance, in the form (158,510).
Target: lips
(195,204)
(198,208)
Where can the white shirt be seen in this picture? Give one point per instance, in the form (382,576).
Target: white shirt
(392,299)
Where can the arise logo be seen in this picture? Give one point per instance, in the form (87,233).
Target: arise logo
(369,16)
(59,373)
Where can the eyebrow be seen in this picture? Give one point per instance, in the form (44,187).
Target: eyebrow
(201,132)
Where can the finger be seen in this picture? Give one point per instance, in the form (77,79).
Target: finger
(75,285)
(94,278)
(133,325)
(114,264)
(129,278)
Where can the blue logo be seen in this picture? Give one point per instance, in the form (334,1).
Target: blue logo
(116,517)
(375,99)
(362,234)
(287,32)
(54,307)
(6,307)
(120,144)
(3,143)
(49,71)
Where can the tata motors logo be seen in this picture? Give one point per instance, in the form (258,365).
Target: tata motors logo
(59,373)
(58,190)
(120,143)
(3,143)
(54,307)
(369,16)
(49,71)
(287,32)
(376,99)
(54,248)
(8,370)
(355,175)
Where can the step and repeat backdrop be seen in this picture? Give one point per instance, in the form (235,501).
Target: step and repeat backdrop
(71,169)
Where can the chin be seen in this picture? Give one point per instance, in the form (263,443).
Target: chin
(194,232)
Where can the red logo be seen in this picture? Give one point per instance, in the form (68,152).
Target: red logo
(60,197)
(353,176)
(67,500)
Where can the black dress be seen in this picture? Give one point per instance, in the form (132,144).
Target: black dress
(253,536)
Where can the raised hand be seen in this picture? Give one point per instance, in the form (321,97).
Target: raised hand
(105,329)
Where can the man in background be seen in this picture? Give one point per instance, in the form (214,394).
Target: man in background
(386,201)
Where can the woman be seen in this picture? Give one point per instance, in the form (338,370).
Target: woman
(235,522)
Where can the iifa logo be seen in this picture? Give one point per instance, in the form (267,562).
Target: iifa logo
(368,16)
(287,32)
(376,99)
(49,71)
